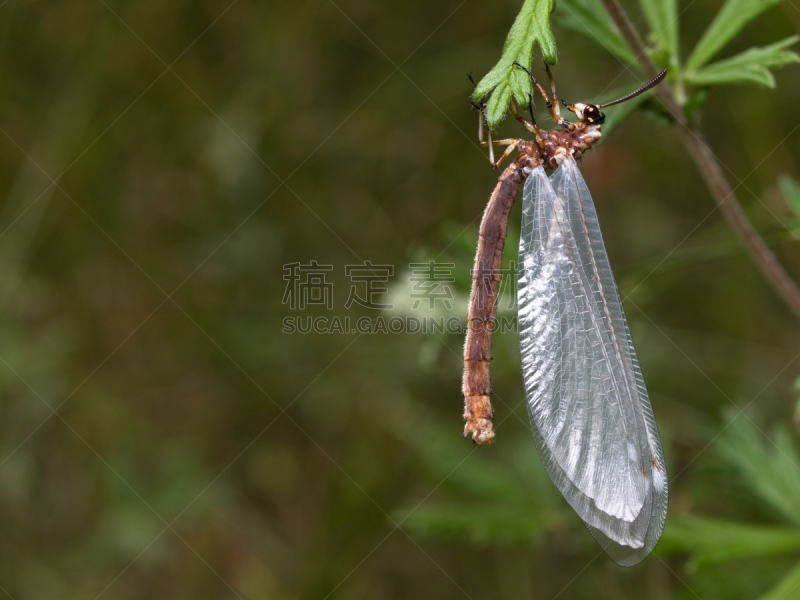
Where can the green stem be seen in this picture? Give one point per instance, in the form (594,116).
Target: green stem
(710,169)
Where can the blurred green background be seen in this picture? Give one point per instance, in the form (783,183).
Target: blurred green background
(162,437)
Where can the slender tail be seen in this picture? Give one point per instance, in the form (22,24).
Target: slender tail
(483,306)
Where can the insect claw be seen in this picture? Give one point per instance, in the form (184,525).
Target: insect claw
(533,79)
(471,79)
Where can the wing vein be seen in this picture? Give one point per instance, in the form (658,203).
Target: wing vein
(590,415)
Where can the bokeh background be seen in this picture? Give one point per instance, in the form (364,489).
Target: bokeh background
(163,437)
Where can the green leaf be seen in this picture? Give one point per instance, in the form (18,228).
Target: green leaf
(590,18)
(712,542)
(498,104)
(742,75)
(751,66)
(787,588)
(771,473)
(662,17)
(504,80)
(733,16)
(791,194)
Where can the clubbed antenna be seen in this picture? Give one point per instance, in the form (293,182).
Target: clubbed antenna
(654,82)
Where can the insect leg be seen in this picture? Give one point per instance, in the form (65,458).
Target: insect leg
(532,126)
(554,113)
(529,126)
(535,84)
(557,118)
(482,112)
(553,89)
(481,119)
(480,122)
(491,144)
(512,144)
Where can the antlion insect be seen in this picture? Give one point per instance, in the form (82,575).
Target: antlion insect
(590,414)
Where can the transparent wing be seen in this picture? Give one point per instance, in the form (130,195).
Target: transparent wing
(590,414)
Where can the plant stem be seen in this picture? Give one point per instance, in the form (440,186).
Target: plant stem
(711,171)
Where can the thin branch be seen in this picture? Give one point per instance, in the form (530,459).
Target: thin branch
(711,171)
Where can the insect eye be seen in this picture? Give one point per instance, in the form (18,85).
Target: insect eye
(593,115)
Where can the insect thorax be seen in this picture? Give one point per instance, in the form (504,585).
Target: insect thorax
(558,145)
